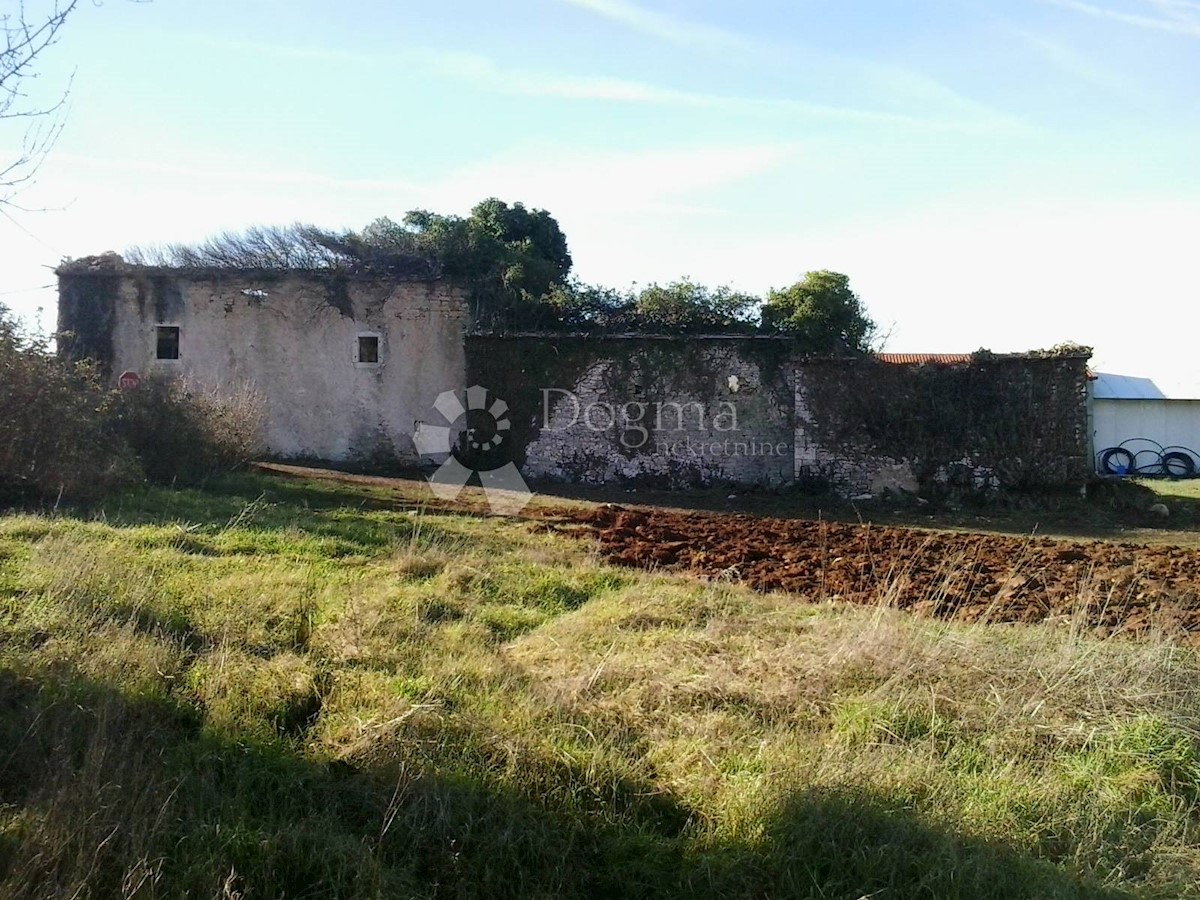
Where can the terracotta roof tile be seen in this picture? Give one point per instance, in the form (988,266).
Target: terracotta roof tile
(913,359)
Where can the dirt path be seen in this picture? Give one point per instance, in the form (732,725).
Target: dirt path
(970,577)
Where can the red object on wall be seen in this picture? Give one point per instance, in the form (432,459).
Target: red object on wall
(129,381)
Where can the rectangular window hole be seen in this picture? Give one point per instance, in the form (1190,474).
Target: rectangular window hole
(167,342)
(368,348)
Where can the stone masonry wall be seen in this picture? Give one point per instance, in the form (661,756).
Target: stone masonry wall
(704,411)
(1015,421)
(648,411)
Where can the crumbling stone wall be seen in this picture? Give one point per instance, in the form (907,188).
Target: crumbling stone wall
(742,410)
(655,411)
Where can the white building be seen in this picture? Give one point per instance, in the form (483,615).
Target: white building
(1139,427)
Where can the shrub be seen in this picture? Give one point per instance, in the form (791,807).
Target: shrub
(64,435)
(182,432)
(56,438)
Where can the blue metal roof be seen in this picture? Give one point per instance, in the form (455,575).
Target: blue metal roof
(1125,387)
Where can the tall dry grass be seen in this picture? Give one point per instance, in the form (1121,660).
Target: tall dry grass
(183,432)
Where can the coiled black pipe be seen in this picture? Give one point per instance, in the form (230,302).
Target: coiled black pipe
(1152,460)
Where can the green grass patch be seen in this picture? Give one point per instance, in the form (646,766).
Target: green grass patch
(280,688)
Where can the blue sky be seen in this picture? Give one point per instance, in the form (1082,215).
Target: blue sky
(1005,174)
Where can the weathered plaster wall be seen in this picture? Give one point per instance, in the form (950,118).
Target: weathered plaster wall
(87,318)
(667,412)
(293,337)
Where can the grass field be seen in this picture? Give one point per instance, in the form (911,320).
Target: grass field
(291,689)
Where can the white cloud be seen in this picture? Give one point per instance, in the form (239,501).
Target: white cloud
(1179,16)
(937,107)
(906,97)
(902,86)
(1182,10)
(299,52)
(667,27)
(579,184)
(1074,63)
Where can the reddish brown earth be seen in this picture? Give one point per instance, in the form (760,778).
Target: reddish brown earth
(971,577)
(1109,586)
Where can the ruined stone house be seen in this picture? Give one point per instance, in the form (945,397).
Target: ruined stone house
(350,369)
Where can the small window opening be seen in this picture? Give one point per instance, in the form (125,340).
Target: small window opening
(168,342)
(368,348)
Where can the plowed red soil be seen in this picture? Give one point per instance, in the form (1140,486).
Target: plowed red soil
(1109,586)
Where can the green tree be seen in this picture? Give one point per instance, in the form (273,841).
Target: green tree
(689,307)
(822,313)
(575,306)
(509,257)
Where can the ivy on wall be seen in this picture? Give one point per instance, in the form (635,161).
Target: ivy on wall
(1023,417)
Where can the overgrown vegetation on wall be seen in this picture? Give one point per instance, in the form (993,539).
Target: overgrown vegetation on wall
(1013,422)
(89,305)
(1018,420)
(64,435)
(515,266)
(297,247)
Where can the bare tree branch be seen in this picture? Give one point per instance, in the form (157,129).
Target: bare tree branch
(23,38)
(296,247)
